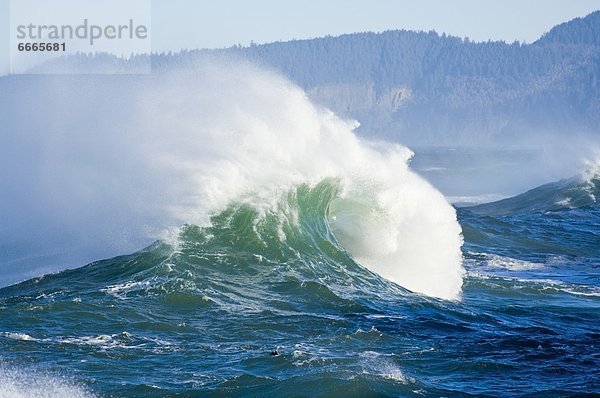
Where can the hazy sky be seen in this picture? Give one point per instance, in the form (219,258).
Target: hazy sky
(215,24)
(178,24)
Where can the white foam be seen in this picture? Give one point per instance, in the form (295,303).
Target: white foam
(18,336)
(375,364)
(592,170)
(102,341)
(512,264)
(475,199)
(18,383)
(120,290)
(543,284)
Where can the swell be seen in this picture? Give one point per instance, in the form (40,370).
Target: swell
(576,192)
(555,220)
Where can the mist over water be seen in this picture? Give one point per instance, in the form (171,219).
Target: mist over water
(485,174)
(105,165)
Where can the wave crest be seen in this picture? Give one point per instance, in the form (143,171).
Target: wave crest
(184,146)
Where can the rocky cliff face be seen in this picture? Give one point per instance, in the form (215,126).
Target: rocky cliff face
(353,98)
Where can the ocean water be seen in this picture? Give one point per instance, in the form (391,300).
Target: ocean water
(235,310)
(290,258)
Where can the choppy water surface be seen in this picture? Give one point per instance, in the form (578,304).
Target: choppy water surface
(253,306)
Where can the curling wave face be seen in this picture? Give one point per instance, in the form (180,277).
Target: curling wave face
(271,139)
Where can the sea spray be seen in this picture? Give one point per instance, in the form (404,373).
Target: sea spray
(252,136)
(21,383)
(176,148)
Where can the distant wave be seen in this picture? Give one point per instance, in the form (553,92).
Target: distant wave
(559,218)
(571,193)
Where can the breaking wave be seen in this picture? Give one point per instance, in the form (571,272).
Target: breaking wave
(184,147)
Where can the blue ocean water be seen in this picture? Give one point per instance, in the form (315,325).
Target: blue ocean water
(235,310)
